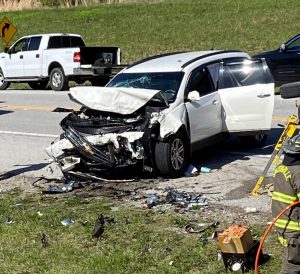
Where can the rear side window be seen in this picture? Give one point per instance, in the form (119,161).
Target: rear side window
(54,42)
(65,41)
(76,41)
(34,43)
(245,72)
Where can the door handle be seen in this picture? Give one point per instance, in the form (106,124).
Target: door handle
(21,56)
(263,95)
(37,56)
(215,102)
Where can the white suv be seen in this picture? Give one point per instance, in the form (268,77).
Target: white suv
(160,109)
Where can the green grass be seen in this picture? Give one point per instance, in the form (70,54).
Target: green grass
(140,240)
(142,29)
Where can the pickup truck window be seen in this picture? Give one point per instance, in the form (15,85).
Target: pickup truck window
(65,42)
(21,45)
(34,43)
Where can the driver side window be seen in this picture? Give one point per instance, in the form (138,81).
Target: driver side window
(201,81)
(295,45)
(20,45)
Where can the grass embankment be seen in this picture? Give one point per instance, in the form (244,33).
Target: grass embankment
(139,241)
(142,29)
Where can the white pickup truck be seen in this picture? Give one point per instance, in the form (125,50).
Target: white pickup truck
(56,58)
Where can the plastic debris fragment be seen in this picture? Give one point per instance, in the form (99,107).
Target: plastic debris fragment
(152,200)
(204,169)
(249,209)
(67,222)
(9,221)
(185,199)
(99,226)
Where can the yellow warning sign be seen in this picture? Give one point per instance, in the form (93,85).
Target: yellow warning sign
(7,30)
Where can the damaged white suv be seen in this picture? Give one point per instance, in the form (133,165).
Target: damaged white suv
(157,111)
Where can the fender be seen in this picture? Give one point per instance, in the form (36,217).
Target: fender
(64,60)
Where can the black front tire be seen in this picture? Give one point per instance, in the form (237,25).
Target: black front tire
(3,84)
(171,156)
(58,80)
(291,90)
(38,84)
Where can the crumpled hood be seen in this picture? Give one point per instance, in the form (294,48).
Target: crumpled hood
(111,99)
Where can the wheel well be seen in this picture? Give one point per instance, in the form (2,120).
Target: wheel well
(52,66)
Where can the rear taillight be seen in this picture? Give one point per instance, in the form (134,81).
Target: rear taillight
(76,57)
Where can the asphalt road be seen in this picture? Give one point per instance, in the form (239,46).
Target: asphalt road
(28,124)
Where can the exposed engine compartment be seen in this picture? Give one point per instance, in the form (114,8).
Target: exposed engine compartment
(95,141)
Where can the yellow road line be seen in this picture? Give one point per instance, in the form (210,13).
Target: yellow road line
(280,118)
(28,107)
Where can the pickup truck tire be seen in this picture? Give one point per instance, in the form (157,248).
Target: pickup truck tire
(58,80)
(256,140)
(171,156)
(38,84)
(291,90)
(3,83)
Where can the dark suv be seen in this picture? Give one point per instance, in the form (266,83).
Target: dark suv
(284,62)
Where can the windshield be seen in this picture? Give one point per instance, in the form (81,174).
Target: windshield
(167,82)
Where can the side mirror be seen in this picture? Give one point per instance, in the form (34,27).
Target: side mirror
(282,47)
(8,50)
(194,95)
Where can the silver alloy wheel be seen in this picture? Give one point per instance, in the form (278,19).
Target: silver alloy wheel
(56,79)
(177,154)
(1,79)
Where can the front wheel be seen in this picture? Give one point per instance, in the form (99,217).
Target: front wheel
(171,156)
(3,84)
(58,80)
(38,84)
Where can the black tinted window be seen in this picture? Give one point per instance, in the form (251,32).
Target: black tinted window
(65,41)
(201,82)
(34,43)
(54,42)
(295,45)
(76,41)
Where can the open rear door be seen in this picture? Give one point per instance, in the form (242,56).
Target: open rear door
(246,88)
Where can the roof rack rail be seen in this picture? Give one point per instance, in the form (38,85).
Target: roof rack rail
(154,57)
(207,55)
